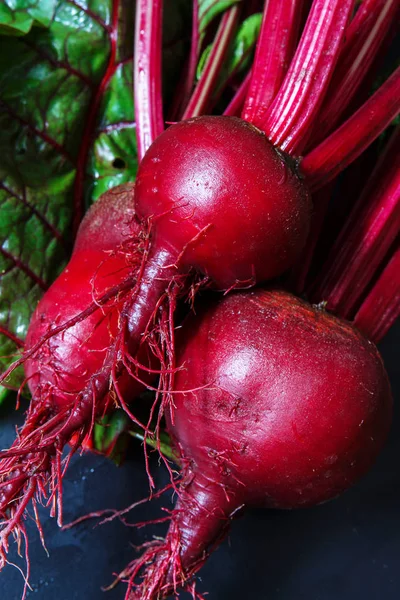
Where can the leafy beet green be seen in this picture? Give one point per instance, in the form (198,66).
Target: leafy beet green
(67,133)
(18,16)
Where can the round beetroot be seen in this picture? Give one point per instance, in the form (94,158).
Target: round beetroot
(277,404)
(103,257)
(225,199)
(60,365)
(219,201)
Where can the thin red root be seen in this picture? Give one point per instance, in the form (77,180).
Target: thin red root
(159,569)
(31,471)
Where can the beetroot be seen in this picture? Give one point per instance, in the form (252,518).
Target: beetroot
(277,404)
(106,253)
(219,200)
(101,259)
(223,200)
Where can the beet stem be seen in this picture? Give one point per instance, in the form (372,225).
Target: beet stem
(235,106)
(355,135)
(289,118)
(147,73)
(198,104)
(364,38)
(275,48)
(193,56)
(381,307)
(365,239)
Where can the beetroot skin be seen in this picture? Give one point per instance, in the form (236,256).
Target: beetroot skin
(284,406)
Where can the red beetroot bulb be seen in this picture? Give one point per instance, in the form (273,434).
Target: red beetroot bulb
(106,253)
(224,200)
(278,405)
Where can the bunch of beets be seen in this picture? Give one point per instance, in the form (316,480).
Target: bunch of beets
(268,400)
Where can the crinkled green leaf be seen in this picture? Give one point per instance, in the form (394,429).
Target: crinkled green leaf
(67,133)
(14,23)
(113,157)
(18,16)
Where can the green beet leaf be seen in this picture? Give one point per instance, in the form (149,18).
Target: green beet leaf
(67,134)
(17,17)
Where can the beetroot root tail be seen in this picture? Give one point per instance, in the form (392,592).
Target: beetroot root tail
(159,572)
(31,471)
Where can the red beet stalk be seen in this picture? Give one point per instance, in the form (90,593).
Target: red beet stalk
(366,237)
(347,143)
(364,38)
(290,117)
(381,307)
(275,47)
(147,73)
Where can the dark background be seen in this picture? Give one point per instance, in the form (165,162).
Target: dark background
(346,549)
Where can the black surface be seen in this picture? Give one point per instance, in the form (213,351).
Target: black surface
(346,549)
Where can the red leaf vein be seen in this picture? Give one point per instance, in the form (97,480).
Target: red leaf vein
(27,270)
(34,211)
(42,134)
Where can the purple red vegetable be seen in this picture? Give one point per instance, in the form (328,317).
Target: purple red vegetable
(277,404)
(69,335)
(299,400)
